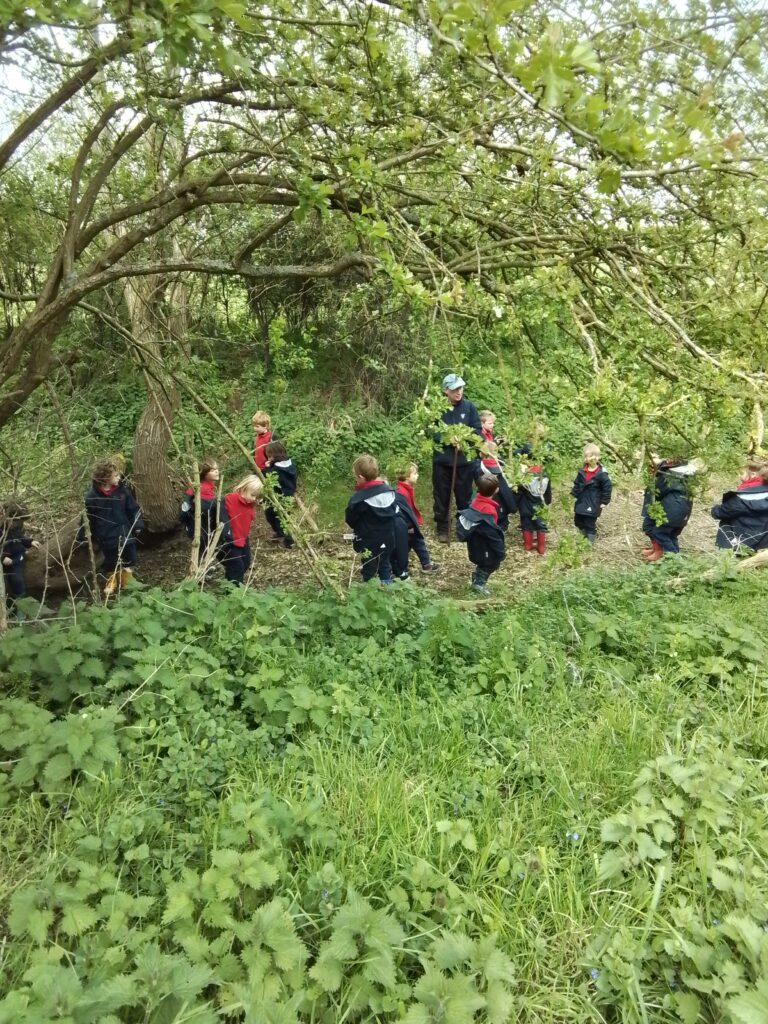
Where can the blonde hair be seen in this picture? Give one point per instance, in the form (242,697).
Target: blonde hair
(365,466)
(758,467)
(591,449)
(250,485)
(261,419)
(486,414)
(405,471)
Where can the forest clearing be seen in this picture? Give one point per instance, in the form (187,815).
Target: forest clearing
(384,512)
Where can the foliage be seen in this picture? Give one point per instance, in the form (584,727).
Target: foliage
(276,807)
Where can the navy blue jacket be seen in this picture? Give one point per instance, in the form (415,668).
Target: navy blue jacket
(208,516)
(483,536)
(15,544)
(371,515)
(528,501)
(465,414)
(505,499)
(408,515)
(114,518)
(743,517)
(671,487)
(287,477)
(591,494)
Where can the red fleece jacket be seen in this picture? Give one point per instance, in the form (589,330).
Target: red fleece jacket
(489,460)
(486,505)
(406,489)
(240,513)
(260,442)
(207,490)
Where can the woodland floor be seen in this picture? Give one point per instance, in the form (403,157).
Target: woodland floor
(620,540)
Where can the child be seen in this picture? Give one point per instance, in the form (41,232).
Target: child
(371,515)
(592,491)
(478,526)
(262,436)
(115,519)
(238,510)
(672,491)
(492,444)
(411,523)
(279,466)
(743,513)
(209,477)
(533,493)
(14,544)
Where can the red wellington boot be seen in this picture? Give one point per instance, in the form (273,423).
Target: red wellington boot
(528,540)
(541,542)
(656,554)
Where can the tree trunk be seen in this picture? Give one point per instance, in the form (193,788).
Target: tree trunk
(154,478)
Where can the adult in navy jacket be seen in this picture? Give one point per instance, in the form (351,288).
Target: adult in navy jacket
(462,412)
(743,513)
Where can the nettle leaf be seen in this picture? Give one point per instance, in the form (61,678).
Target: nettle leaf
(688,1007)
(77,918)
(450,950)
(58,768)
(751,1007)
(179,905)
(327,972)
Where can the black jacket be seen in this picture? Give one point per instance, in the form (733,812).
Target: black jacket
(671,487)
(743,517)
(114,518)
(370,513)
(287,477)
(208,516)
(15,544)
(467,415)
(538,492)
(506,501)
(484,538)
(591,494)
(408,515)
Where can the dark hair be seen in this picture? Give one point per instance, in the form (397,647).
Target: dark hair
(275,451)
(206,466)
(487,485)
(106,468)
(11,510)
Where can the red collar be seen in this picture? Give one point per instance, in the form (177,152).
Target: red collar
(108,491)
(367,483)
(753,481)
(486,505)
(589,473)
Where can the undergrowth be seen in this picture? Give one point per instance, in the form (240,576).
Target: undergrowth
(270,807)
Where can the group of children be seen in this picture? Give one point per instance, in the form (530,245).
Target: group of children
(386,521)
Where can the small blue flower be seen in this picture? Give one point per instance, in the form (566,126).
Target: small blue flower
(715,921)
(521,875)
(160,803)
(594,974)
(575,837)
(324,894)
(64,809)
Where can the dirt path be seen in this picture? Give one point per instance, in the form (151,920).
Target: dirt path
(619,542)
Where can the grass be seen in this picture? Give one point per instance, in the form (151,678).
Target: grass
(475,806)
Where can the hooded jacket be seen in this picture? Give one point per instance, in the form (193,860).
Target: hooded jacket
(370,513)
(743,517)
(287,477)
(478,527)
(672,489)
(115,517)
(591,491)
(208,517)
(15,544)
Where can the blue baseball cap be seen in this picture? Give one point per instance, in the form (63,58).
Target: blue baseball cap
(452,381)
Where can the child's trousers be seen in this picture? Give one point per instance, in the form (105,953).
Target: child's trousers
(236,562)
(378,564)
(14,581)
(124,554)
(277,527)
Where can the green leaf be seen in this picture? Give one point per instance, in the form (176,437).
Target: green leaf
(687,1006)
(609,181)
(751,1007)
(78,918)
(58,768)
